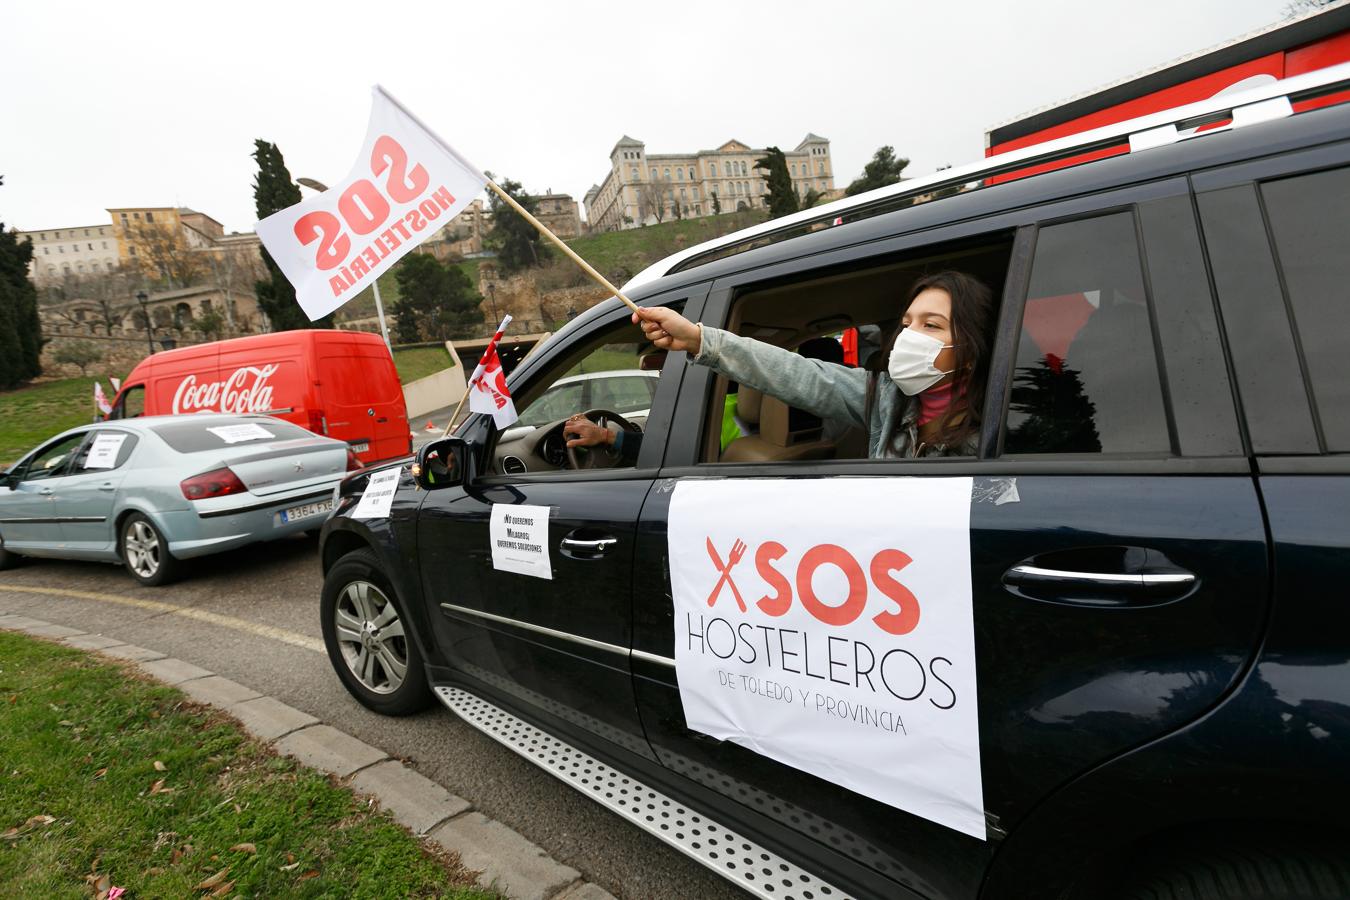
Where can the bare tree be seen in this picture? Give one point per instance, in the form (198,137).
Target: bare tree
(163,253)
(652,200)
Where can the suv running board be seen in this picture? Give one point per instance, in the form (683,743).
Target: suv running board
(734,857)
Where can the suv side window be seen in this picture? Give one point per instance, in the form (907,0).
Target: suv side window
(1087,378)
(1310,220)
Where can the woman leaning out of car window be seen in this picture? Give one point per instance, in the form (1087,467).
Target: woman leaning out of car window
(928,406)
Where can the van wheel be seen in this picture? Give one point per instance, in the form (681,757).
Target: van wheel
(145,552)
(369,640)
(8,560)
(1282,872)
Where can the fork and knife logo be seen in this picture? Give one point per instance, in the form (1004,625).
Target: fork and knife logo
(737,551)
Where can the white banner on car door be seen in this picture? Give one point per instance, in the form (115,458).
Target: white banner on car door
(828,624)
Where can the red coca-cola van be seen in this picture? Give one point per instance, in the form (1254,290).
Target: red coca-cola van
(337,383)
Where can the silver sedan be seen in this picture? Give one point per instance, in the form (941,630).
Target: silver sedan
(153,492)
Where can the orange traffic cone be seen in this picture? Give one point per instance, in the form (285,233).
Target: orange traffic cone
(431,426)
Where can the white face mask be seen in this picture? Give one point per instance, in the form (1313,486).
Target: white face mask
(911,365)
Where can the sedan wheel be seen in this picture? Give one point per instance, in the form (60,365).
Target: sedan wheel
(369,639)
(145,552)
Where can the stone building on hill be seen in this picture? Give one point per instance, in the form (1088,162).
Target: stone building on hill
(642,188)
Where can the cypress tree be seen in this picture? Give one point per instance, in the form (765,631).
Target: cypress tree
(273,191)
(20,328)
(782,199)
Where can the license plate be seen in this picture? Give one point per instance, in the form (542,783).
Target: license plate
(308,511)
(362,447)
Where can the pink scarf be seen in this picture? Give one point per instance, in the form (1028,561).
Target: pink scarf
(934,402)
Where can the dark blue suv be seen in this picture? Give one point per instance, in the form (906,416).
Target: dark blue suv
(1132,678)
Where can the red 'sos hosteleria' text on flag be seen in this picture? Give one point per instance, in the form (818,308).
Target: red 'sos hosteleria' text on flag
(406,183)
(364,209)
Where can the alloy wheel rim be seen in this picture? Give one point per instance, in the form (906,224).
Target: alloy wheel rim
(142,548)
(371,637)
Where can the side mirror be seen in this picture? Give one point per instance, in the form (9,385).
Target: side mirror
(443,463)
(9,479)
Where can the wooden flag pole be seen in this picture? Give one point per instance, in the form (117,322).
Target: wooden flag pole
(543,229)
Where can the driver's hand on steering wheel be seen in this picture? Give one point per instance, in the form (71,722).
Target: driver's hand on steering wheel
(582,432)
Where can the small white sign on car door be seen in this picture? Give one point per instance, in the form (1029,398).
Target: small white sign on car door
(378,497)
(828,624)
(519,536)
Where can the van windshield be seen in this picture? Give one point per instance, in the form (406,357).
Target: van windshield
(192,434)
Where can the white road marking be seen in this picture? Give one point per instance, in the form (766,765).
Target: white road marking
(293,638)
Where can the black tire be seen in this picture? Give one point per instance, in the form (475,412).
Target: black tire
(8,560)
(1278,871)
(354,574)
(145,552)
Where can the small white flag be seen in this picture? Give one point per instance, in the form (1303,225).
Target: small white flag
(405,185)
(100,400)
(116,383)
(488,392)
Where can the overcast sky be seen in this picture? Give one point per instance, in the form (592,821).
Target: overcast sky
(149,104)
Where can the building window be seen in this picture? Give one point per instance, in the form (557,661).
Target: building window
(794,170)
(60,249)
(653,174)
(131,251)
(635,173)
(91,246)
(105,245)
(58,234)
(136,216)
(679,174)
(46,251)
(820,166)
(666,175)
(712,167)
(149,217)
(124,220)
(86,232)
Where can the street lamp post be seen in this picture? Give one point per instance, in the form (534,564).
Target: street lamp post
(375,285)
(492,300)
(142,297)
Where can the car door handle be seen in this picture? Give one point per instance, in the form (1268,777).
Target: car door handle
(586,548)
(46,492)
(597,545)
(1078,587)
(1022,574)
(107,486)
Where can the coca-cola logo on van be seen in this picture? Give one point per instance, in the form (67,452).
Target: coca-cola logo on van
(245,391)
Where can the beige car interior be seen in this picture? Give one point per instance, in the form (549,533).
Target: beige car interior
(789,314)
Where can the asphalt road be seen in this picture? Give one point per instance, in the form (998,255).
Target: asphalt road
(276,586)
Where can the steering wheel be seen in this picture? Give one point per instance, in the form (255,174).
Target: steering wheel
(600,457)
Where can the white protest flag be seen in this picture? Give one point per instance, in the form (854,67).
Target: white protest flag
(406,184)
(488,392)
(100,400)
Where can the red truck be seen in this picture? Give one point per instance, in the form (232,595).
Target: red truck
(342,384)
(1284,50)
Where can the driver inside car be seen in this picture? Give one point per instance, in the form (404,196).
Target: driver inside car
(582,432)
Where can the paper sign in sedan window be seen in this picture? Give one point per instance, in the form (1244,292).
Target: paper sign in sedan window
(104,450)
(191,437)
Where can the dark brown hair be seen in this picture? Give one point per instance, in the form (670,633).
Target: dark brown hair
(972,315)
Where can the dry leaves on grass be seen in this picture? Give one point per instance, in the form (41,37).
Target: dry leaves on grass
(245,847)
(214,881)
(159,788)
(160,767)
(13,834)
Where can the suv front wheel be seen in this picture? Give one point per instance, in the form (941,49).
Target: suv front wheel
(369,642)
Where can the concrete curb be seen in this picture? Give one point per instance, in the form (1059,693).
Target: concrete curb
(506,861)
